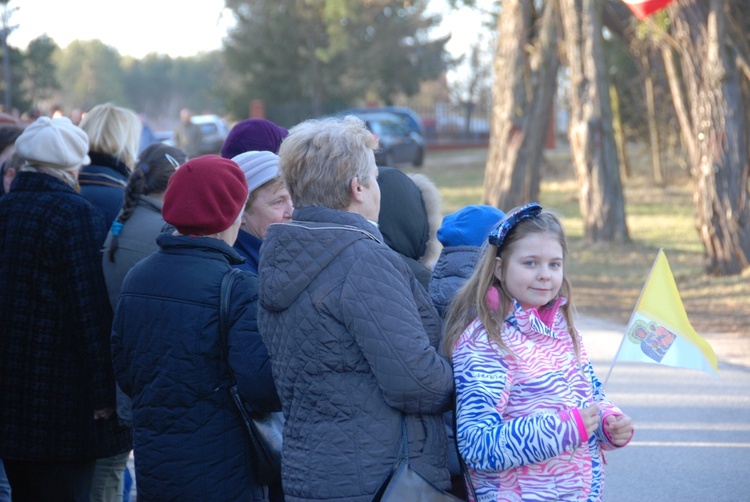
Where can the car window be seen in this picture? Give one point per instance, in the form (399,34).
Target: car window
(391,128)
(375,126)
(208,128)
(410,123)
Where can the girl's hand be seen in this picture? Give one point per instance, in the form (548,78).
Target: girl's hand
(590,416)
(619,429)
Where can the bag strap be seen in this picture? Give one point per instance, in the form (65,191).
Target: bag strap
(464,468)
(224,297)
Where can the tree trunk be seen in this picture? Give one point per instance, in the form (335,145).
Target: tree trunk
(620,141)
(591,135)
(520,116)
(716,131)
(653,128)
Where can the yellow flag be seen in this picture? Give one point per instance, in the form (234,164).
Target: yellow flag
(659,330)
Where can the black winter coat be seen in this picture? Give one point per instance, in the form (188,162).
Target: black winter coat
(55,366)
(189,440)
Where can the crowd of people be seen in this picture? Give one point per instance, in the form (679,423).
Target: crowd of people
(359,311)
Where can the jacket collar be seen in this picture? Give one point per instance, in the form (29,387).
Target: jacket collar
(249,246)
(344,219)
(185,244)
(28,181)
(99,160)
(547,321)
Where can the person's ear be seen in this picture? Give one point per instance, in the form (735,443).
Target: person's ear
(499,269)
(355,187)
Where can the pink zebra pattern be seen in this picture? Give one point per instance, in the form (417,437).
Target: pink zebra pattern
(517,411)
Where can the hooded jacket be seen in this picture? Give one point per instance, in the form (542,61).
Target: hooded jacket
(410,214)
(352,337)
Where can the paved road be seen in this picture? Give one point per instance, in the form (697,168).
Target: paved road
(692,439)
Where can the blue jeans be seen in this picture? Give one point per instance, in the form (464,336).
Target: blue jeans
(107,484)
(127,486)
(4,485)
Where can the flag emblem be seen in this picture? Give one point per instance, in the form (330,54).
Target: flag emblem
(654,340)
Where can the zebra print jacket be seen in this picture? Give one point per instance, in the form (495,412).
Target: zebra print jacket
(519,428)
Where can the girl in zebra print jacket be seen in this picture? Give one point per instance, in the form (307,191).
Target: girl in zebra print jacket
(532,418)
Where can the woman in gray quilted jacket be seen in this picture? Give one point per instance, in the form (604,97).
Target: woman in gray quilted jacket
(351,333)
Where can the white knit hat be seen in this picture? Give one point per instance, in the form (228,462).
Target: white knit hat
(259,167)
(55,143)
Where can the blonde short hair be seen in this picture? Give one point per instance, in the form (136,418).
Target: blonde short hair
(115,131)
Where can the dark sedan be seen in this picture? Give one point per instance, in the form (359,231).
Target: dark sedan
(397,145)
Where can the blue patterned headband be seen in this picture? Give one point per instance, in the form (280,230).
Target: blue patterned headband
(498,234)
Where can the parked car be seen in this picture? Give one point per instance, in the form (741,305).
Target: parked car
(410,119)
(397,145)
(214,130)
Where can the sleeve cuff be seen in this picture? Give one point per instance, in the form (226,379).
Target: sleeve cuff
(575,415)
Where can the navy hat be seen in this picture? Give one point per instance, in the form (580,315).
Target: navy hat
(468,226)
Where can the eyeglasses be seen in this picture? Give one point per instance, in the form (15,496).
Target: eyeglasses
(501,231)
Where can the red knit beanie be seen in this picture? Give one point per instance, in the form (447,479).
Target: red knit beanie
(205,195)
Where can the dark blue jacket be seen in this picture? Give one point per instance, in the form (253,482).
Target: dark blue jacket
(189,440)
(452,270)
(55,318)
(248,246)
(103,184)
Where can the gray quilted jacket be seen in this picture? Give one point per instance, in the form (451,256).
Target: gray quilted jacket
(352,338)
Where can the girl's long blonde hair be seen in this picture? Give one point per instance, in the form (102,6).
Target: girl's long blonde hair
(470,301)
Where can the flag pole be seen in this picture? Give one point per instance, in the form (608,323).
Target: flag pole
(632,316)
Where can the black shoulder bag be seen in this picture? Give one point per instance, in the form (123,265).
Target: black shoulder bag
(404,483)
(265,432)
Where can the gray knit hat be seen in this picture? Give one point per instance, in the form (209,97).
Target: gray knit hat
(55,143)
(259,167)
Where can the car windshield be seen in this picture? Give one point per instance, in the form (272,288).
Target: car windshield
(385,127)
